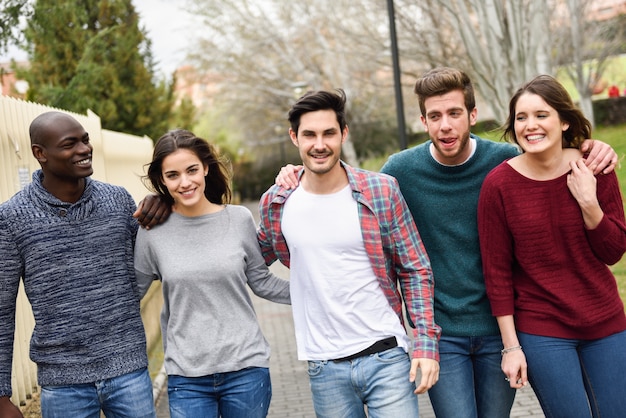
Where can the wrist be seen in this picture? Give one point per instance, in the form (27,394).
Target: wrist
(509,349)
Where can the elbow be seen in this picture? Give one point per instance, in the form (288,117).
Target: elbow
(610,261)
(610,256)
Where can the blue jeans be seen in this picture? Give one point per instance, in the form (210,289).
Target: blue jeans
(380,381)
(471,382)
(578,378)
(126,396)
(244,393)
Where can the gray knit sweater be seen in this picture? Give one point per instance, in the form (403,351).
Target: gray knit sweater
(77,266)
(206,264)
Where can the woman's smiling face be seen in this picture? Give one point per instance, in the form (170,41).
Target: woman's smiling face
(538,126)
(184,177)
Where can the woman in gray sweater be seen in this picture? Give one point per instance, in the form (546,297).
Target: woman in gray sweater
(205,254)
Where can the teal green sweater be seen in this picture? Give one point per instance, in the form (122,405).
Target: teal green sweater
(443,201)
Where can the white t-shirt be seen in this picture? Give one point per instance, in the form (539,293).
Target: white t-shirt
(338,306)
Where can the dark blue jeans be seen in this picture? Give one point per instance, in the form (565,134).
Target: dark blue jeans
(471,382)
(578,378)
(244,393)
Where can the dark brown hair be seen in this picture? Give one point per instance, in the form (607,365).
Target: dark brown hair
(319,100)
(443,80)
(217,189)
(555,95)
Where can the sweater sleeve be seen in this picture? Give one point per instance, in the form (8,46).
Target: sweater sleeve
(496,247)
(10,272)
(261,280)
(133,224)
(608,239)
(145,268)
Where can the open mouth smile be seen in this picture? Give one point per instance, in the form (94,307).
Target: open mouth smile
(86,161)
(535,137)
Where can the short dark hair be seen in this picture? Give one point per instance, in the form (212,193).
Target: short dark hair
(442,80)
(217,189)
(319,100)
(555,95)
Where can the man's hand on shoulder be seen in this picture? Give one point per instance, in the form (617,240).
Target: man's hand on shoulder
(8,410)
(151,211)
(601,159)
(288,176)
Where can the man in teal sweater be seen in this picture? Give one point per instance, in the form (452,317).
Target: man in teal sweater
(440,181)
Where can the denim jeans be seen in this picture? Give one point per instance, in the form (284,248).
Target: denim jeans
(578,378)
(380,381)
(126,396)
(243,393)
(471,382)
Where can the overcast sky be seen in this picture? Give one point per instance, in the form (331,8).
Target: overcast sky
(167,25)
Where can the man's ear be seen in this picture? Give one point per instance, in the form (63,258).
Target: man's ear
(293,136)
(424,122)
(39,153)
(473,116)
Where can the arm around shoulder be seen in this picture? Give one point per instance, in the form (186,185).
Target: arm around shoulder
(152,210)
(601,158)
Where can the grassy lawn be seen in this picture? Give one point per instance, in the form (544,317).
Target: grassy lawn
(613,135)
(616,136)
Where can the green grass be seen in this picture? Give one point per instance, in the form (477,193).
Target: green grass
(612,135)
(616,137)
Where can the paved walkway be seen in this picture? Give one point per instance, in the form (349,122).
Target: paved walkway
(290,383)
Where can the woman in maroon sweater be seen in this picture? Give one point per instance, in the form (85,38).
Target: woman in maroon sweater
(548,229)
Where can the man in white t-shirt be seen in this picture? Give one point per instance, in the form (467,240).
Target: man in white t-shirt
(353,250)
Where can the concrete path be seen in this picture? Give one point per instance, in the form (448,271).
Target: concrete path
(290,383)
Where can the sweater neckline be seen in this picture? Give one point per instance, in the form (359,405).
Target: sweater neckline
(557,179)
(204,216)
(472,143)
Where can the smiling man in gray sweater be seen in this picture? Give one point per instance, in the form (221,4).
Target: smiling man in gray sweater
(70,239)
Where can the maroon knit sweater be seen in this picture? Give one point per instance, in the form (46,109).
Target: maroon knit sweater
(541,263)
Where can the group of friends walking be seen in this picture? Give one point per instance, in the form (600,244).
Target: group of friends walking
(494,255)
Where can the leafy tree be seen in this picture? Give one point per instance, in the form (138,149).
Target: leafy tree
(503,43)
(272,54)
(10,13)
(269,53)
(499,43)
(184,114)
(585,48)
(91,54)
